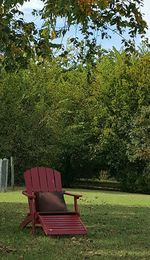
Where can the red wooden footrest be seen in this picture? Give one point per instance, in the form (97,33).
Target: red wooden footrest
(62,224)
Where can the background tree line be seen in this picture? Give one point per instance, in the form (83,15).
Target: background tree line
(57,117)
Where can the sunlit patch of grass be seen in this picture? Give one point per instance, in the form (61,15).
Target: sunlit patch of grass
(118,228)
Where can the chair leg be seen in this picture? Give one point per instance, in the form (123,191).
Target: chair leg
(76,206)
(26,221)
(33,224)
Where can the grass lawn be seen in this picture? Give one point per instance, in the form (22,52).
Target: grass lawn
(118,228)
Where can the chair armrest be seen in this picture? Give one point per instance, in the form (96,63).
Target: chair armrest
(28,195)
(71,194)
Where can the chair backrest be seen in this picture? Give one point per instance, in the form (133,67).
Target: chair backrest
(42,179)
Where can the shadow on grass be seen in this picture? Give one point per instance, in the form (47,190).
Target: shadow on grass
(113,232)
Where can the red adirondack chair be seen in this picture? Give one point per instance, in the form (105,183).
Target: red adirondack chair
(57,221)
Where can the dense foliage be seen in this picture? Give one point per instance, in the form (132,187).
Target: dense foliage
(95,20)
(56,117)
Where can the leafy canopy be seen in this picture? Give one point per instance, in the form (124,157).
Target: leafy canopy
(22,41)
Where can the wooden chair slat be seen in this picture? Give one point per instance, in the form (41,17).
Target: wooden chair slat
(35,179)
(43,179)
(58,184)
(28,181)
(50,179)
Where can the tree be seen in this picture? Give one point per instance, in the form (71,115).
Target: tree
(102,16)
(21,41)
(53,116)
(138,149)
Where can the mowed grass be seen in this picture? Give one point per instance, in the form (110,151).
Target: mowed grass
(118,228)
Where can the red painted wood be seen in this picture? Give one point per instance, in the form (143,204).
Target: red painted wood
(50,179)
(35,179)
(43,179)
(58,184)
(28,181)
(26,221)
(75,204)
(46,179)
(62,225)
